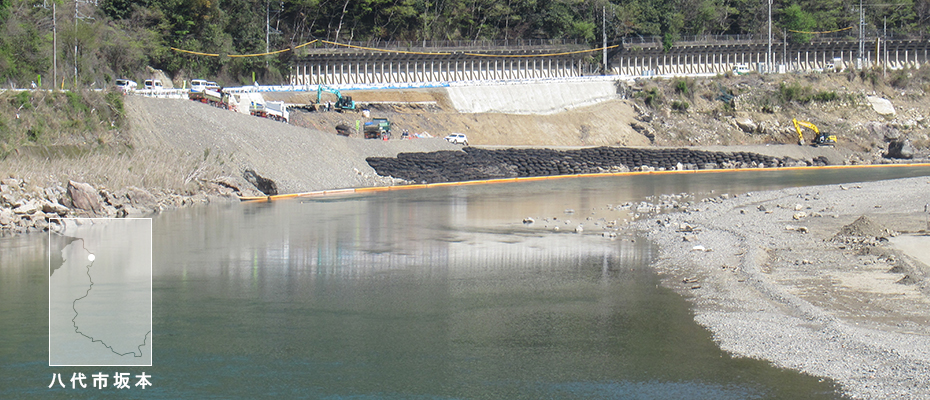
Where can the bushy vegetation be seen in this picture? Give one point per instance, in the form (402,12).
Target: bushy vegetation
(55,118)
(795,92)
(119,38)
(651,97)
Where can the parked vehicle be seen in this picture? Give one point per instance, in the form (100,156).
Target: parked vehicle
(741,69)
(377,128)
(198,85)
(153,84)
(275,110)
(126,85)
(457,138)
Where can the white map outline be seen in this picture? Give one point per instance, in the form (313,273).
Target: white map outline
(148,335)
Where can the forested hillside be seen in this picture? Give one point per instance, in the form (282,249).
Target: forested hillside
(99,41)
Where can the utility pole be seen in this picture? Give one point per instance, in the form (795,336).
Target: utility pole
(54,46)
(861,36)
(76,3)
(267,31)
(604,29)
(54,40)
(768,56)
(78,16)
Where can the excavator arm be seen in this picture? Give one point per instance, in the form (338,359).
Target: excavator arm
(819,138)
(342,103)
(808,125)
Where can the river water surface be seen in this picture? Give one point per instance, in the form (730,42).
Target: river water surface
(438,293)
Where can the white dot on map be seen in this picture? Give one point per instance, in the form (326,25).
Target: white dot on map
(90,257)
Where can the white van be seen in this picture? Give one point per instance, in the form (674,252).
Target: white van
(153,84)
(741,69)
(198,85)
(126,85)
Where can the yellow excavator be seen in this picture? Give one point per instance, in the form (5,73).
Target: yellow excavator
(820,138)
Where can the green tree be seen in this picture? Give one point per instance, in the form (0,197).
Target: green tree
(798,20)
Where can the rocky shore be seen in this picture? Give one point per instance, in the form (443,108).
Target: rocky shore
(28,207)
(810,279)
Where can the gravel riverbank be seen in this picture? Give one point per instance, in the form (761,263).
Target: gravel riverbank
(809,279)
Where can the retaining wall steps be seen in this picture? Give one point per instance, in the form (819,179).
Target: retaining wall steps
(480,164)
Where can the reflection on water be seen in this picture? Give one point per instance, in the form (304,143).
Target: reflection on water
(440,293)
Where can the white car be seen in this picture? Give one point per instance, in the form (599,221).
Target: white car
(457,138)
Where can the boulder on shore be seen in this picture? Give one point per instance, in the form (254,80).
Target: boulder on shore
(84,196)
(900,148)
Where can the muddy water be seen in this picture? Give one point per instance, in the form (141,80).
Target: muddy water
(439,293)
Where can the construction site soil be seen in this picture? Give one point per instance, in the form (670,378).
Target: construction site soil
(186,147)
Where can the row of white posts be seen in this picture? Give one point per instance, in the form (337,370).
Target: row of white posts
(374,72)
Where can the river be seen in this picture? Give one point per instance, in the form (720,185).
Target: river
(436,293)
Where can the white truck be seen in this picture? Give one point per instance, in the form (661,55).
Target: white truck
(275,110)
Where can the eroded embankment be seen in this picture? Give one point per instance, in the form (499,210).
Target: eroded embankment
(478,164)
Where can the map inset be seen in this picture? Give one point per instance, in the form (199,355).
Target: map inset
(100,292)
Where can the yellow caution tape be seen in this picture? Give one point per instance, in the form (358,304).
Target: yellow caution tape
(195,52)
(242,55)
(259,54)
(814,33)
(384,50)
(541,55)
(394,51)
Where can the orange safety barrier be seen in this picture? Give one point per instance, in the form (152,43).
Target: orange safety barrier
(540,178)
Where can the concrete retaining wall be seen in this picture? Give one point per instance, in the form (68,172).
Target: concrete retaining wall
(546,97)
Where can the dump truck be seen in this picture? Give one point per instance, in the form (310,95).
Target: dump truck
(377,128)
(211,97)
(275,110)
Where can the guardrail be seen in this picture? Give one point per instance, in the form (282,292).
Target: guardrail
(163,93)
(778,38)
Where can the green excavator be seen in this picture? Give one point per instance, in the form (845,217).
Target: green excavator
(343,103)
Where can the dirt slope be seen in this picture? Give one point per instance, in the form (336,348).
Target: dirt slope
(203,142)
(429,110)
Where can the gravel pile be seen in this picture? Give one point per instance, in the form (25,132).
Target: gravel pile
(863,227)
(226,143)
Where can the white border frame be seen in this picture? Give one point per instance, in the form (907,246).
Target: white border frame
(151,290)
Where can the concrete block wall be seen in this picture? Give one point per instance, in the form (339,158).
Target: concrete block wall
(545,97)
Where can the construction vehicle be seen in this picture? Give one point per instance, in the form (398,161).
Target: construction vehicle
(275,110)
(211,97)
(343,103)
(377,128)
(820,138)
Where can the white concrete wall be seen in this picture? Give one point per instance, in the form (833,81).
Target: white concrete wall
(545,97)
